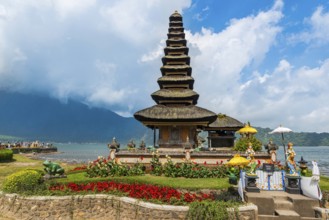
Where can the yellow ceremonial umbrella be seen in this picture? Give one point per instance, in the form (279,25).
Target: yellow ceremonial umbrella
(247,129)
(238,161)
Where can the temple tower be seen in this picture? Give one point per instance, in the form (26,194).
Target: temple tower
(175,114)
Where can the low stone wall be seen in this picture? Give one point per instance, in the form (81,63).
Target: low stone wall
(97,206)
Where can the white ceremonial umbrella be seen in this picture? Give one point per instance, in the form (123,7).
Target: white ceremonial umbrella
(281,130)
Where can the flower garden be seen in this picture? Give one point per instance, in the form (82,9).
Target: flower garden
(160,183)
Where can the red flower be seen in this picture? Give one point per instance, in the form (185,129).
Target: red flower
(139,191)
(205,163)
(216,162)
(142,158)
(258,162)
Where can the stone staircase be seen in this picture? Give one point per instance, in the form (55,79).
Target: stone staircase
(283,206)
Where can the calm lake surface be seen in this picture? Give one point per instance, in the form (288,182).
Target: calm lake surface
(72,152)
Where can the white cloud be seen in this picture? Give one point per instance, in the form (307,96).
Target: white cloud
(108,54)
(318,31)
(298,102)
(88,50)
(219,58)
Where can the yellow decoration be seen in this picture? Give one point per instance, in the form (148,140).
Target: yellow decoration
(238,161)
(247,129)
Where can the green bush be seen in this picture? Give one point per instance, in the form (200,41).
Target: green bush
(188,169)
(209,210)
(156,167)
(6,155)
(242,144)
(24,181)
(104,168)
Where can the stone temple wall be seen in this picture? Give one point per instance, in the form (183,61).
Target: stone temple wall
(98,206)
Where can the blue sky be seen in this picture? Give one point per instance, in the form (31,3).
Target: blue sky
(266,62)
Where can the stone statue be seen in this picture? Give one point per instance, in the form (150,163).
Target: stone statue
(252,167)
(52,169)
(315,171)
(250,152)
(131,145)
(114,145)
(271,149)
(291,159)
(142,145)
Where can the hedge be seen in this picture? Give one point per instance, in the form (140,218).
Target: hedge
(6,155)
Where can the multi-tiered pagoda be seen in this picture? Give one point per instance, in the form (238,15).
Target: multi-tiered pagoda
(175,114)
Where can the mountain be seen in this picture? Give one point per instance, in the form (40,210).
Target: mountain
(297,138)
(34,117)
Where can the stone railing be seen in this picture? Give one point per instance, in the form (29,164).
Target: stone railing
(97,206)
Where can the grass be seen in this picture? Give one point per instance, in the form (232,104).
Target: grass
(183,183)
(324,183)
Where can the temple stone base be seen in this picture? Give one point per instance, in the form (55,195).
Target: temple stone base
(179,156)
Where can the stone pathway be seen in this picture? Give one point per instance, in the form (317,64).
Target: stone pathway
(282,205)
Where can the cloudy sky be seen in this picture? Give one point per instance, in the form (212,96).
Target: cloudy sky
(266,62)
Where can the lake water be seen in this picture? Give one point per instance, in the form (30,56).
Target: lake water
(89,152)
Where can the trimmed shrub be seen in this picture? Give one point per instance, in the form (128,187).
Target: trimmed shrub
(24,181)
(242,144)
(6,155)
(208,210)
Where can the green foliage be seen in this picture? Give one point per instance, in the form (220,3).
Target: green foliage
(324,183)
(298,138)
(24,181)
(188,169)
(156,167)
(242,144)
(209,210)
(6,155)
(104,168)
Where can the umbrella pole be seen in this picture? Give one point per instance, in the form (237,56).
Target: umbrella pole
(284,147)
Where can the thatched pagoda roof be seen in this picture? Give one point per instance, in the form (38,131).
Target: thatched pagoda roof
(225,122)
(164,113)
(175,93)
(175,79)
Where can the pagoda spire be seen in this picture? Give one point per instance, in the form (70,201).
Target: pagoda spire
(175,113)
(176,83)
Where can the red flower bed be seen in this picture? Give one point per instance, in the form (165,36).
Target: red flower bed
(84,167)
(139,191)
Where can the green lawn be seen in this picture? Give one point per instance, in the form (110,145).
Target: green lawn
(184,183)
(324,183)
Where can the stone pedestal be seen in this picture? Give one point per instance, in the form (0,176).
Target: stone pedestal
(293,184)
(251,183)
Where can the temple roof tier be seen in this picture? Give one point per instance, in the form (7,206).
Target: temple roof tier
(175,42)
(175,29)
(176,24)
(176,70)
(176,35)
(175,79)
(162,113)
(176,59)
(182,95)
(176,17)
(176,50)
(224,122)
